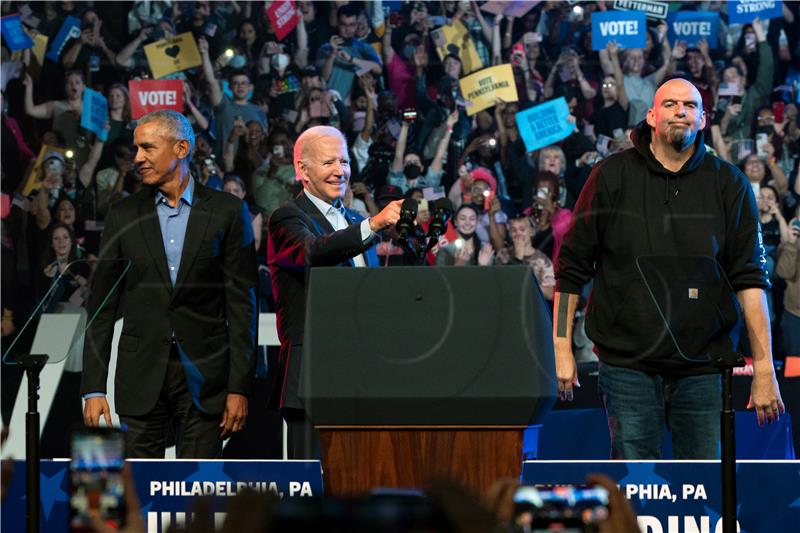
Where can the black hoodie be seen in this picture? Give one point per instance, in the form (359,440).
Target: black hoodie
(632,206)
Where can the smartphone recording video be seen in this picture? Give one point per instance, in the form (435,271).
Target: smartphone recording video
(563,508)
(95,476)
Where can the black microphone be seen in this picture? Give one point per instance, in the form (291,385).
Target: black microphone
(441,213)
(408,214)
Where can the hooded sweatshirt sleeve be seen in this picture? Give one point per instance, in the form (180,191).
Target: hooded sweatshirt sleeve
(743,256)
(578,253)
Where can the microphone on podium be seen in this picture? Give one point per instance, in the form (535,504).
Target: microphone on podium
(408,214)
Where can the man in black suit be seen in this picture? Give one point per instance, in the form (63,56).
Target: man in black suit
(314,229)
(187,351)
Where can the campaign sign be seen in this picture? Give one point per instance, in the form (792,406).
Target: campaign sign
(744,11)
(177,54)
(686,496)
(71,29)
(283,16)
(166,489)
(13,33)
(94,113)
(544,124)
(484,88)
(652,9)
(627,28)
(153,95)
(692,26)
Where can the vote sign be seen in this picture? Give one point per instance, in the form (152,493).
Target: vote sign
(691,26)
(627,28)
(154,95)
(13,34)
(744,11)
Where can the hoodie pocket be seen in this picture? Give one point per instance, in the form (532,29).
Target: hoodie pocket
(638,327)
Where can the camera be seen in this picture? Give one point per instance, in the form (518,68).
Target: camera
(409,115)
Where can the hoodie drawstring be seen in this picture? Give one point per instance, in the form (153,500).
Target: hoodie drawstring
(666,186)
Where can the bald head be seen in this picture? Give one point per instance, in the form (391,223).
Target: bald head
(309,140)
(676,115)
(677,86)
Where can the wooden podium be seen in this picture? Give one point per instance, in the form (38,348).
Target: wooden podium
(357,459)
(406,382)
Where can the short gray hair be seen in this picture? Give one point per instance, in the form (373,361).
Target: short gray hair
(177,126)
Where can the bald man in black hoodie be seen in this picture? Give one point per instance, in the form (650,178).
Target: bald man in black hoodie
(666,196)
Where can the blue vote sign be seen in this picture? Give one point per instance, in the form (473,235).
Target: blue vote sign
(544,124)
(94,113)
(692,26)
(627,28)
(744,11)
(13,34)
(70,29)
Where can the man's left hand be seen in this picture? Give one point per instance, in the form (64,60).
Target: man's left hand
(235,414)
(765,397)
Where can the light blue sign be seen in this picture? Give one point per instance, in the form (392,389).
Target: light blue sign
(627,28)
(692,26)
(744,11)
(683,496)
(71,29)
(13,34)
(544,124)
(94,113)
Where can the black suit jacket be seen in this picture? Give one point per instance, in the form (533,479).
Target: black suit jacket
(300,237)
(211,309)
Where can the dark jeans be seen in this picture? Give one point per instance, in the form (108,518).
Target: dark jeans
(196,433)
(637,405)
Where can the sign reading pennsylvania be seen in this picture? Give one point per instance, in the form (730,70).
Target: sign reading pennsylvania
(177,54)
(484,88)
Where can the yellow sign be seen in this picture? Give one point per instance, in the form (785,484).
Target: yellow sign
(34,181)
(454,38)
(39,47)
(484,88)
(177,54)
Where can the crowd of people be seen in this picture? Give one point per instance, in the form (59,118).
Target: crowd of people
(372,70)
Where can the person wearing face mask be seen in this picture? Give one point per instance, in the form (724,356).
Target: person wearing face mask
(406,170)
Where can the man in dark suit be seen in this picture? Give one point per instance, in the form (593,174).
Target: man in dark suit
(314,229)
(187,351)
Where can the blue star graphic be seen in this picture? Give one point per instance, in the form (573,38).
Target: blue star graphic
(642,474)
(209,471)
(795,503)
(51,491)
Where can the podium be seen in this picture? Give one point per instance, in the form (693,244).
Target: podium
(415,373)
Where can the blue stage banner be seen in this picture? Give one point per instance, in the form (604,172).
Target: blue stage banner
(744,11)
(14,35)
(94,113)
(684,496)
(691,26)
(627,28)
(544,124)
(166,488)
(71,29)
